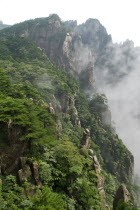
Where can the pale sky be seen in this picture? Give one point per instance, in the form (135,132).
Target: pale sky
(121,18)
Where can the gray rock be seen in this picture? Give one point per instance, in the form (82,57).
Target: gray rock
(100,181)
(121,194)
(28,170)
(35,173)
(86,140)
(96,164)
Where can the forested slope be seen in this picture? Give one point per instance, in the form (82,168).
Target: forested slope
(57,151)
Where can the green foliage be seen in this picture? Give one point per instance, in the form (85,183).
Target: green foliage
(45,171)
(19,49)
(125,206)
(28,83)
(98,104)
(29,118)
(69,161)
(82,106)
(111,185)
(5,85)
(86,194)
(9,183)
(46,199)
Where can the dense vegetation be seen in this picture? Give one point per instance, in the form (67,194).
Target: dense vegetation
(48,135)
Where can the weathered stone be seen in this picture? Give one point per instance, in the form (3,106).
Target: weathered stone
(121,194)
(24,174)
(10,123)
(35,173)
(78,122)
(91,152)
(51,109)
(21,176)
(28,169)
(86,140)
(96,165)
(100,181)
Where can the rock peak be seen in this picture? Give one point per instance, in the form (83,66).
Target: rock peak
(121,194)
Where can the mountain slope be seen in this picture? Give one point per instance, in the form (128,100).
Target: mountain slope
(84,49)
(56,134)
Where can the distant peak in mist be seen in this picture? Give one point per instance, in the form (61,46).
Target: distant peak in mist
(1,22)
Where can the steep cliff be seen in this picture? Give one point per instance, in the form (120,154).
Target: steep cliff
(63,142)
(85,50)
(74,48)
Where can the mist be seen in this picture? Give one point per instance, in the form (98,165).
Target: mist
(122,88)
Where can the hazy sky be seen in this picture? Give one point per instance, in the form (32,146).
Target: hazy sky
(120,17)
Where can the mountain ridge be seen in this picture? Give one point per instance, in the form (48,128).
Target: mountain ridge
(65,117)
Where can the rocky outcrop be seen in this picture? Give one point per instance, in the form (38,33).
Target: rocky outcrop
(101,180)
(28,171)
(130,169)
(96,164)
(35,173)
(9,162)
(24,174)
(68,107)
(70,46)
(121,194)
(85,143)
(51,109)
(86,140)
(74,113)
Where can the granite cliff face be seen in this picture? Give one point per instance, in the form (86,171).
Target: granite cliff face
(85,50)
(72,47)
